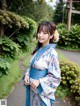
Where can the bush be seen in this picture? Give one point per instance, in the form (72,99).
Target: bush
(4,66)
(8,48)
(61,26)
(69,72)
(62,92)
(24,37)
(11,19)
(23,41)
(69,39)
(19,28)
(75,89)
(32,26)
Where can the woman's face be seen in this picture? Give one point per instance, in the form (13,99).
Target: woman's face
(43,37)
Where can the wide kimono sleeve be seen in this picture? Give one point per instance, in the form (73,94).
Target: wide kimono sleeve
(52,80)
(28,69)
(29,66)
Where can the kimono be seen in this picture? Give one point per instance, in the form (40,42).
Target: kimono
(44,66)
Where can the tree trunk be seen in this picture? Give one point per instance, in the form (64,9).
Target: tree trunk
(4,7)
(69,15)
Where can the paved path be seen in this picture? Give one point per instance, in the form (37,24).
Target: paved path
(17,97)
(73,56)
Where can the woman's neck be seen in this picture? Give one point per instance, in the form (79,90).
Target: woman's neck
(45,44)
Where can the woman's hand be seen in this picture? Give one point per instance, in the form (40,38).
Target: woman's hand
(26,80)
(35,84)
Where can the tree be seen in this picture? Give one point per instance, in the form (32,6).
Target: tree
(76,17)
(3,6)
(59,13)
(10,21)
(37,10)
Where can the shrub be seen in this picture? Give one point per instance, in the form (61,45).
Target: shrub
(24,36)
(75,89)
(32,26)
(74,36)
(22,40)
(11,19)
(69,72)
(4,66)
(8,48)
(61,26)
(69,39)
(62,92)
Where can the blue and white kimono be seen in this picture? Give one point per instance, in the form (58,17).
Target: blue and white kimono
(44,66)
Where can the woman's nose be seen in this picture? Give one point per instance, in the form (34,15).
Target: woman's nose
(41,34)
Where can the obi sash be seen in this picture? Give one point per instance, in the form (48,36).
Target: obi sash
(35,74)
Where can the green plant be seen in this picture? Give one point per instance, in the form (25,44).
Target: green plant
(4,66)
(75,89)
(69,72)
(61,26)
(11,19)
(62,92)
(24,37)
(23,41)
(8,48)
(32,27)
(69,39)
(7,82)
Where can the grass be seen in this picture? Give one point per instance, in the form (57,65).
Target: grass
(70,49)
(27,60)
(61,56)
(7,82)
(28,56)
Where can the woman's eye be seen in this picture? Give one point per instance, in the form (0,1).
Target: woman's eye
(45,32)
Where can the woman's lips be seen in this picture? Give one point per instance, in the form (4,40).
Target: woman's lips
(41,39)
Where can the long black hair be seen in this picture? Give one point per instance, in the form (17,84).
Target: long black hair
(48,27)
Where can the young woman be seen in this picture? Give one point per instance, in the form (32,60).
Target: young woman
(43,74)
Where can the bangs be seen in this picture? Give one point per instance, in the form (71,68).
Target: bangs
(43,28)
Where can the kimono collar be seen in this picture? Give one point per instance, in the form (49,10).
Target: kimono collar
(41,51)
(49,46)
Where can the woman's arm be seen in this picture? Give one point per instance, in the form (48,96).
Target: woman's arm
(52,80)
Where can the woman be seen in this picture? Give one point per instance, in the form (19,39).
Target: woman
(43,74)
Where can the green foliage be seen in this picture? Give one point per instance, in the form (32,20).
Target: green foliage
(4,66)
(7,82)
(61,26)
(58,14)
(32,27)
(76,17)
(75,89)
(74,36)
(8,48)
(24,37)
(22,40)
(69,72)
(69,39)
(35,10)
(62,92)
(11,19)
(70,81)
